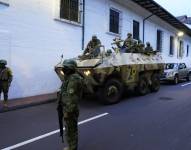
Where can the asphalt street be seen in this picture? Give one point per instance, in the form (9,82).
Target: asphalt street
(157,121)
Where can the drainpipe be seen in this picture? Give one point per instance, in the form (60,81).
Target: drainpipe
(83,26)
(144,26)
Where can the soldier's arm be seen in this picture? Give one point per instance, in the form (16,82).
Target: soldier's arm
(73,91)
(10,75)
(87,48)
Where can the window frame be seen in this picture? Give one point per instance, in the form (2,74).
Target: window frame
(136,36)
(4,2)
(159,42)
(119,21)
(172,45)
(80,10)
(181,48)
(187,50)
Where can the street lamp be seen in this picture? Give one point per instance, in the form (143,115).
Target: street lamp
(180,34)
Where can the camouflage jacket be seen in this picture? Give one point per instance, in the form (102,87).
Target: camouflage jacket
(148,49)
(71,92)
(128,43)
(6,75)
(91,46)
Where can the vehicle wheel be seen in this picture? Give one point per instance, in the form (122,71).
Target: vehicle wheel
(176,79)
(155,85)
(189,76)
(143,87)
(112,92)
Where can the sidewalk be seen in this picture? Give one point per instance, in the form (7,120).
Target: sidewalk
(15,104)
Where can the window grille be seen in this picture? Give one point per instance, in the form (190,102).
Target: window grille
(114,21)
(136,30)
(171,52)
(69,10)
(159,40)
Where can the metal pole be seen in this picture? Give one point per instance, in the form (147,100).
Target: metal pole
(144,26)
(83,26)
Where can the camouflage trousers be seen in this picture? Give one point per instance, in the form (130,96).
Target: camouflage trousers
(4,88)
(71,126)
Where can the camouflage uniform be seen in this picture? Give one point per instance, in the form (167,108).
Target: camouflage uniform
(128,43)
(140,47)
(148,49)
(71,90)
(93,47)
(5,79)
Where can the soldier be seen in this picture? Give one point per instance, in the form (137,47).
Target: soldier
(148,49)
(5,80)
(93,47)
(134,47)
(140,47)
(71,91)
(128,43)
(117,42)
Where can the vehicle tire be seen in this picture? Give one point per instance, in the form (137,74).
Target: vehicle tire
(176,79)
(111,92)
(189,77)
(143,86)
(155,85)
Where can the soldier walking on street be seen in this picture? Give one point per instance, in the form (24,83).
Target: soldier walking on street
(5,80)
(71,91)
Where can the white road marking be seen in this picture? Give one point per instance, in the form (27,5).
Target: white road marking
(186,84)
(51,133)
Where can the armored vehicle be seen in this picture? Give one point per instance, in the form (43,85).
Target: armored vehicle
(111,73)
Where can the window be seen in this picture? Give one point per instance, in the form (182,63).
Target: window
(187,52)
(69,10)
(159,40)
(171,52)
(114,21)
(135,30)
(181,49)
(4,2)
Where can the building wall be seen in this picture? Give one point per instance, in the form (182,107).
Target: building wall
(97,22)
(32,40)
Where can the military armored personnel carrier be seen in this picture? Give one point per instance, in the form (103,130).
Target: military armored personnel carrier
(111,73)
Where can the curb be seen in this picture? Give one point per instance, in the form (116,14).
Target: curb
(26,105)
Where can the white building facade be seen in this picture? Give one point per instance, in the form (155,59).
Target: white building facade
(35,33)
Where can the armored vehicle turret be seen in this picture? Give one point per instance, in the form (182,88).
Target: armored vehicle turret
(112,72)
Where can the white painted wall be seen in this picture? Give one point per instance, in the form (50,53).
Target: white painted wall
(32,41)
(37,41)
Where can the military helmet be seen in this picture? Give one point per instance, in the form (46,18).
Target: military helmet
(129,34)
(70,63)
(148,43)
(2,61)
(94,37)
(139,41)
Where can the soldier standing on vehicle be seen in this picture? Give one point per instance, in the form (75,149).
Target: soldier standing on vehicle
(148,48)
(71,92)
(93,47)
(5,80)
(128,43)
(140,47)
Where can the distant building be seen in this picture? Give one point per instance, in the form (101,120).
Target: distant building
(185,19)
(34,33)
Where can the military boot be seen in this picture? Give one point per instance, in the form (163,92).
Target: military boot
(66,148)
(5,104)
